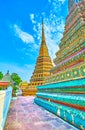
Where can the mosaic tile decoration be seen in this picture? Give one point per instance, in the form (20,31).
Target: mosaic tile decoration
(64,90)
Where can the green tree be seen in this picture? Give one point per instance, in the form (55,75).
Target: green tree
(16,78)
(1,75)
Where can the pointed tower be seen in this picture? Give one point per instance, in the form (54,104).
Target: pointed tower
(72,3)
(6,81)
(43,48)
(70,59)
(43,66)
(63,93)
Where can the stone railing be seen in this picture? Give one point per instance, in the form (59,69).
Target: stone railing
(5,99)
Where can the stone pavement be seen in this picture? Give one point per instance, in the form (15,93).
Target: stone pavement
(25,115)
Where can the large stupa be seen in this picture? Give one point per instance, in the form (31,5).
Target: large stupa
(64,91)
(42,68)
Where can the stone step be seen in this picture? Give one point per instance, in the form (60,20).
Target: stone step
(71,115)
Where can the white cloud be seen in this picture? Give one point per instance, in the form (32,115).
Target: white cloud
(53,34)
(51,41)
(57,0)
(24,36)
(62,1)
(32,17)
(53,24)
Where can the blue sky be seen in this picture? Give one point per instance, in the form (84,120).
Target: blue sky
(20,32)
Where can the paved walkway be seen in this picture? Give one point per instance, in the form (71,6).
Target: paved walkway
(25,115)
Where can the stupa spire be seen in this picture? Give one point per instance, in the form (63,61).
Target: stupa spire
(43,47)
(43,33)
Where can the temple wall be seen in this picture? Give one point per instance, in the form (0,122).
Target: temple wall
(2,99)
(5,99)
(74,72)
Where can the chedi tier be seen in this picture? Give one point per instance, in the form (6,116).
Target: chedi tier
(64,91)
(42,68)
(69,61)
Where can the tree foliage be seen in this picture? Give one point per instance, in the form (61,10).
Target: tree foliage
(1,75)
(16,78)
